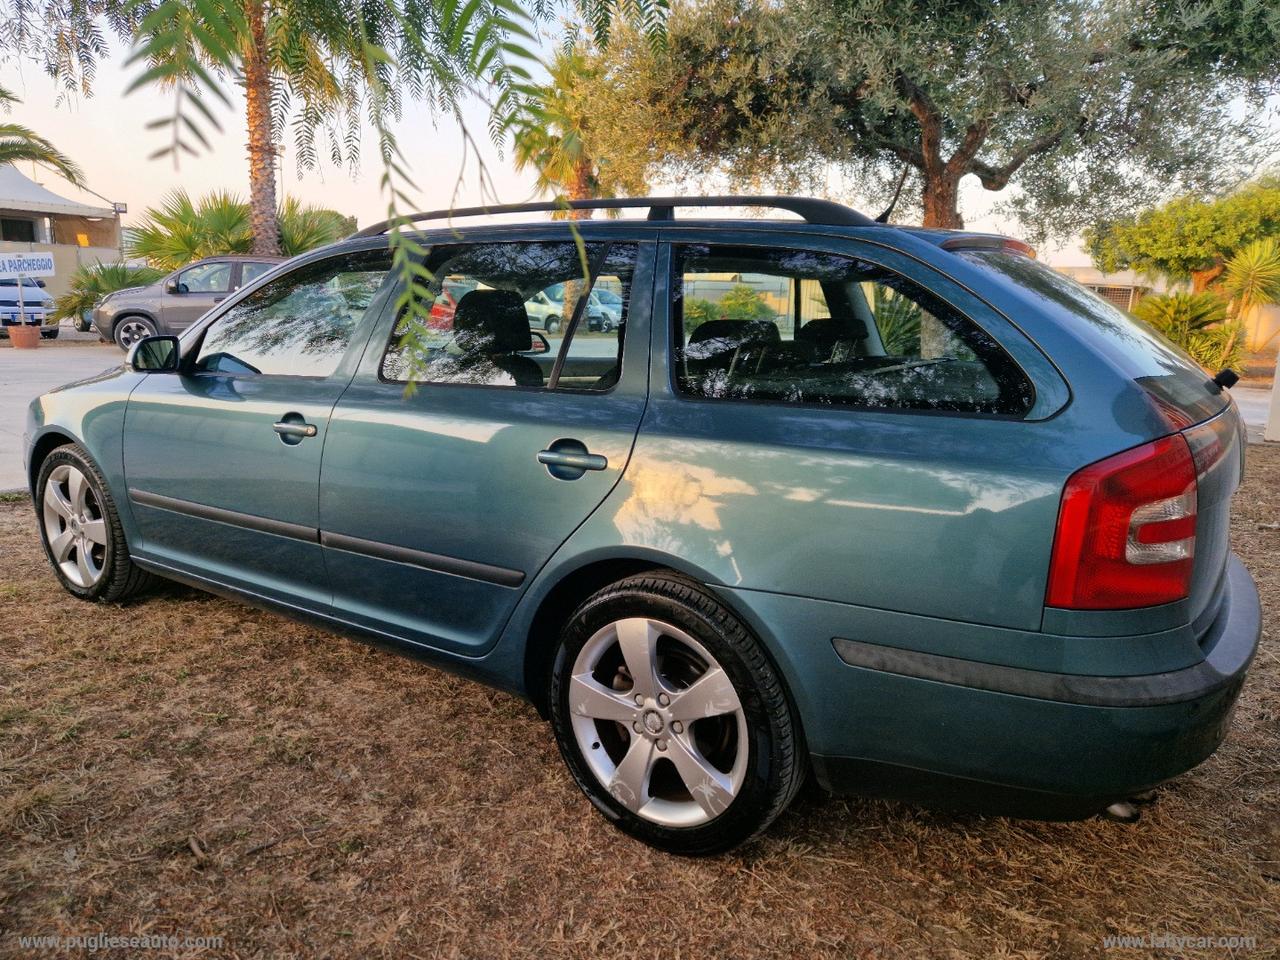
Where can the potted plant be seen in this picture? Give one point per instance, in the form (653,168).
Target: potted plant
(24,336)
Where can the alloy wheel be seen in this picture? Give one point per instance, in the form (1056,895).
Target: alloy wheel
(74,525)
(131,331)
(658,722)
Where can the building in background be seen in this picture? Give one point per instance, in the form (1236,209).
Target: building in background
(35,219)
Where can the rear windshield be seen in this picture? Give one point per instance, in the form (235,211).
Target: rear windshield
(1164,370)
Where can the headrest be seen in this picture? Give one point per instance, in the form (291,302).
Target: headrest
(825,332)
(718,336)
(492,321)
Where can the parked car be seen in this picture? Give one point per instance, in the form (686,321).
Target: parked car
(172,304)
(546,310)
(938,523)
(610,309)
(32,306)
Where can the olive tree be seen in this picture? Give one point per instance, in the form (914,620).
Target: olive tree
(1084,106)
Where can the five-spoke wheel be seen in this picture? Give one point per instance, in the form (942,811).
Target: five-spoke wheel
(658,721)
(74,525)
(671,717)
(80,528)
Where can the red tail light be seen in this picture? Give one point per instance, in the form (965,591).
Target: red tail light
(1126,532)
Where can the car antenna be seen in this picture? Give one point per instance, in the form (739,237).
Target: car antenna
(884,217)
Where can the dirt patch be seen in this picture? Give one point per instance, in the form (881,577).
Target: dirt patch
(187,765)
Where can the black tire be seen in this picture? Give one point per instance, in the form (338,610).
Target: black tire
(120,578)
(128,330)
(50,333)
(553,326)
(776,764)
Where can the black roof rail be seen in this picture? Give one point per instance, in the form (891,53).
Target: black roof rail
(812,210)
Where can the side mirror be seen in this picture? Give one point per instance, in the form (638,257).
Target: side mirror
(172,287)
(155,355)
(41,284)
(540,343)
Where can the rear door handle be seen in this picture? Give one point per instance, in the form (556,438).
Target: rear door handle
(574,461)
(294,430)
(219,299)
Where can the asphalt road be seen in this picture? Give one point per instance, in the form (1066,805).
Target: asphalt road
(26,374)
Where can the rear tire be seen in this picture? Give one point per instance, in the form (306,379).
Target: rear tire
(711,752)
(80,529)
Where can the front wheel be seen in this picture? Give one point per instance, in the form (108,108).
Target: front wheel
(671,718)
(80,529)
(132,329)
(553,325)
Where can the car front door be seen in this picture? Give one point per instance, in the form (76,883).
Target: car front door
(193,292)
(440,503)
(222,461)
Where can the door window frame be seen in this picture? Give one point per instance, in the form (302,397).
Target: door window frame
(1049,391)
(635,352)
(192,339)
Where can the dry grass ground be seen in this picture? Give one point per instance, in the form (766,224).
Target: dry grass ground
(189,765)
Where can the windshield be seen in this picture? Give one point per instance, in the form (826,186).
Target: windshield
(26,282)
(1163,369)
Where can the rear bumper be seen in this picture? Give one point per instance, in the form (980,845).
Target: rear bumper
(1034,743)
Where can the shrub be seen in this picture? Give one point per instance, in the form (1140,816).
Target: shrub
(89,284)
(1198,323)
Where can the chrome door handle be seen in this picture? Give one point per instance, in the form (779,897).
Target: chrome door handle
(573,461)
(289,428)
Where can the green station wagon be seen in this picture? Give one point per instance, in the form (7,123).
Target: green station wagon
(902,509)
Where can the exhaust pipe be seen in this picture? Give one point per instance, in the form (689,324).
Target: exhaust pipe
(1127,811)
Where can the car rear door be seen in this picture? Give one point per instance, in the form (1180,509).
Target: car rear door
(440,503)
(222,461)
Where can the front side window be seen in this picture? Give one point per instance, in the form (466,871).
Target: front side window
(299,324)
(804,327)
(205,278)
(493,305)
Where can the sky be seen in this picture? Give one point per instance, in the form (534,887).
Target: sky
(106,134)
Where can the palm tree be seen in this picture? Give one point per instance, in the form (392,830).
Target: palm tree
(554,139)
(20,143)
(181,229)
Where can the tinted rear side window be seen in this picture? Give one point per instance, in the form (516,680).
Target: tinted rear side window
(1163,369)
(805,327)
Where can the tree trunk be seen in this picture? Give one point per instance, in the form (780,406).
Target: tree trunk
(941,209)
(580,188)
(262,154)
(942,202)
(1200,279)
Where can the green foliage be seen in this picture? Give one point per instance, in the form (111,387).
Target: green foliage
(1188,235)
(553,137)
(1071,102)
(744,302)
(19,143)
(1198,323)
(90,283)
(181,229)
(1252,276)
(898,319)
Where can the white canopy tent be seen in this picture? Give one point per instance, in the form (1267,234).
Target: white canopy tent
(21,194)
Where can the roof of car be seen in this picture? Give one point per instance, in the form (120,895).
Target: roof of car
(813,212)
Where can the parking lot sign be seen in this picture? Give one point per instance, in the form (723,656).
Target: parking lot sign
(26,265)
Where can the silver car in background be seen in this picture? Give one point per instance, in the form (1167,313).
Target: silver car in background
(170,305)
